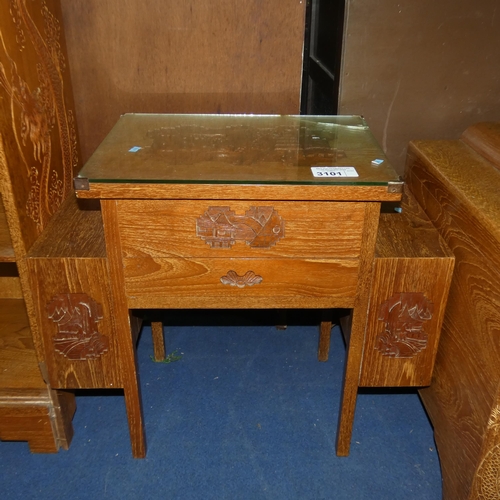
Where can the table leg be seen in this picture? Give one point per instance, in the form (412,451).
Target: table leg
(127,360)
(357,335)
(325,330)
(158,340)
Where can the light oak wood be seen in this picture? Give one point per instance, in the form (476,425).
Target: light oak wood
(124,329)
(325,330)
(196,283)
(252,236)
(18,361)
(244,192)
(484,139)
(458,189)
(158,340)
(6,248)
(173,229)
(413,269)
(38,157)
(10,288)
(357,336)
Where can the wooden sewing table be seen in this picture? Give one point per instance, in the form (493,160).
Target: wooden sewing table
(227,211)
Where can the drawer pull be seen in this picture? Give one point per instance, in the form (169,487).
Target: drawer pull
(260,227)
(248,279)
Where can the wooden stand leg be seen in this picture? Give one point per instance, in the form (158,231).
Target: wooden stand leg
(351,382)
(357,335)
(325,330)
(135,420)
(158,340)
(124,326)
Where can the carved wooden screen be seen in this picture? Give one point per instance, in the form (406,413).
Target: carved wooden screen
(38,148)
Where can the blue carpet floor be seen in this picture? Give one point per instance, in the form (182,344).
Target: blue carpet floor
(247,413)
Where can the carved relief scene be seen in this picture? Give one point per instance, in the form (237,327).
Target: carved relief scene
(404,316)
(259,227)
(76,316)
(37,126)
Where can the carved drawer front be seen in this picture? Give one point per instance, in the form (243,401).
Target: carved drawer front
(232,283)
(165,228)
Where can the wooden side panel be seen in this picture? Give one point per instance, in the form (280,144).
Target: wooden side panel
(412,276)
(10,287)
(228,229)
(30,423)
(6,248)
(222,56)
(465,382)
(407,306)
(75,315)
(484,138)
(18,361)
(40,417)
(37,126)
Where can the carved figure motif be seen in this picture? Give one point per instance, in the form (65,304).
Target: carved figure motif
(260,227)
(404,315)
(248,279)
(76,316)
(35,113)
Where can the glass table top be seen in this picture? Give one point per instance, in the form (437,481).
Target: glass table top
(240,149)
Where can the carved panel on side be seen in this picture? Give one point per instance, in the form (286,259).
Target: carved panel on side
(404,315)
(76,316)
(38,126)
(260,227)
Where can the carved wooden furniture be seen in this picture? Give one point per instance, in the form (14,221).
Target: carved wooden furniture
(225,212)
(457,183)
(37,159)
(411,279)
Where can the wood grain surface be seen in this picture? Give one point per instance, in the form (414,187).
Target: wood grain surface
(411,258)
(167,228)
(357,330)
(124,328)
(459,191)
(6,248)
(484,138)
(52,277)
(196,283)
(238,192)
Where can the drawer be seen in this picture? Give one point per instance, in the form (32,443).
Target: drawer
(235,283)
(208,228)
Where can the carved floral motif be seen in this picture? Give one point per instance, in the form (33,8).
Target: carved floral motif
(76,316)
(248,279)
(260,227)
(404,315)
